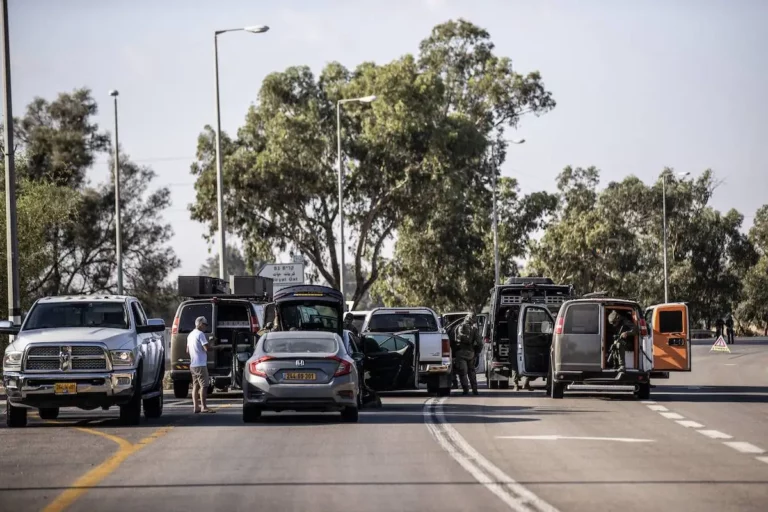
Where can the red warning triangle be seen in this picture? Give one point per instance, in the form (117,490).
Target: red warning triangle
(720,345)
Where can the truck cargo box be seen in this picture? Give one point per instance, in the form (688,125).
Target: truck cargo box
(251,286)
(195,286)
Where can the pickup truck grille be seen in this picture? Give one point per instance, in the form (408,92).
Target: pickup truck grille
(66,358)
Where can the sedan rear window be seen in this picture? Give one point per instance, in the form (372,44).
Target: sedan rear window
(397,322)
(582,319)
(300,345)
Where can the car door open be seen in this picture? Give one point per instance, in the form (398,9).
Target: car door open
(534,340)
(670,327)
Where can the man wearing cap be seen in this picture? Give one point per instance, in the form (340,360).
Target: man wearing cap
(197,348)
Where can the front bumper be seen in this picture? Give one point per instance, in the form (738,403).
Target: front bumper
(94,389)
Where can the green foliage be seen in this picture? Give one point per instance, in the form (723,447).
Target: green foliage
(611,240)
(754,306)
(430,124)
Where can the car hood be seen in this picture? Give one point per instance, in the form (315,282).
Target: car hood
(113,337)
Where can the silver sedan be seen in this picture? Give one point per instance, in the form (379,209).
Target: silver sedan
(300,371)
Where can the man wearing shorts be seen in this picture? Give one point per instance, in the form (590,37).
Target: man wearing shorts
(197,348)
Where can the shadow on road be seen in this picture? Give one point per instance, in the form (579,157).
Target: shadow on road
(712,394)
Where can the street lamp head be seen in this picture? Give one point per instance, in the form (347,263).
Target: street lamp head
(684,174)
(257,29)
(113,93)
(518,141)
(367,99)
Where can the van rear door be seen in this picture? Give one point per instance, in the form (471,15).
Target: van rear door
(670,326)
(535,329)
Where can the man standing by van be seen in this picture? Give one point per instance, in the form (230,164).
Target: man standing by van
(469,345)
(197,348)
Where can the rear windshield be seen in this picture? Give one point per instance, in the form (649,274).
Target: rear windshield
(670,321)
(309,317)
(232,314)
(305,345)
(397,322)
(109,315)
(582,319)
(190,312)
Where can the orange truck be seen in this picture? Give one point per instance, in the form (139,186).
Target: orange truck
(671,329)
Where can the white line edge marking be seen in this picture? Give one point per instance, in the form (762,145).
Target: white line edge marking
(743,447)
(470,459)
(658,408)
(673,416)
(566,438)
(714,434)
(762,459)
(649,402)
(690,424)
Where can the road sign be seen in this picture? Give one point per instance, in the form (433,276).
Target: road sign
(720,346)
(283,274)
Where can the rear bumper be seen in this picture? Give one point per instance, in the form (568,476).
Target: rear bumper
(334,396)
(93,389)
(604,378)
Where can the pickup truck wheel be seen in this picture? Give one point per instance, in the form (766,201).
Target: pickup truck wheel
(130,413)
(643,391)
(180,389)
(15,417)
(48,413)
(350,415)
(153,407)
(503,384)
(444,391)
(251,413)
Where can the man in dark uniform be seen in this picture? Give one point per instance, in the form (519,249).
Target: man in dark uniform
(469,344)
(729,329)
(349,325)
(719,324)
(622,330)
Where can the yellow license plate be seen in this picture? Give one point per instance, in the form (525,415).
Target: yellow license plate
(300,376)
(65,388)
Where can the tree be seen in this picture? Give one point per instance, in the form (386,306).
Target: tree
(58,144)
(754,306)
(236,265)
(280,171)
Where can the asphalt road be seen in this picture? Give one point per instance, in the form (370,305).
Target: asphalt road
(700,444)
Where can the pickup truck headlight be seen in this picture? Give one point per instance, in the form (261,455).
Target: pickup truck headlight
(122,358)
(12,361)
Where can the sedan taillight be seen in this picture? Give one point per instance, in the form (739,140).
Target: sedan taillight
(345,368)
(253,367)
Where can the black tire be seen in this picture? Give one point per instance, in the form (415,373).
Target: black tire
(503,384)
(180,389)
(350,415)
(130,413)
(432,390)
(558,389)
(15,417)
(153,407)
(493,384)
(643,391)
(48,413)
(444,391)
(251,413)
(210,390)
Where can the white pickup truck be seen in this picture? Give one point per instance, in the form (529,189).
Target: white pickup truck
(86,352)
(432,344)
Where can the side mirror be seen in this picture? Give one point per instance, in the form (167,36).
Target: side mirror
(153,325)
(358,356)
(8,327)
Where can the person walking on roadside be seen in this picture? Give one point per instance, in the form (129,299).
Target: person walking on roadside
(197,348)
(729,329)
(719,327)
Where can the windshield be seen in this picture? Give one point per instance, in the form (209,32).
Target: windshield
(309,317)
(301,345)
(397,322)
(110,315)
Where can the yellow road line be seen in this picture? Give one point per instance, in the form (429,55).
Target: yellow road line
(103,470)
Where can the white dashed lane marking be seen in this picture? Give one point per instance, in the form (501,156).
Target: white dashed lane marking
(714,434)
(739,446)
(744,447)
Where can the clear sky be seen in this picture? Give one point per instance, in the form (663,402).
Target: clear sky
(640,85)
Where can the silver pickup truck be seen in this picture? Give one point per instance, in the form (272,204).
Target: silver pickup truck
(86,352)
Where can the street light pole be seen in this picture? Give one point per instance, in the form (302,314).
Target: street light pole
(339,103)
(495,218)
(118,226)
(260,29)
(14,302)
(664,223)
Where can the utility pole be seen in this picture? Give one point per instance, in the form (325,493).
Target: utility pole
(118,224)
(14,303)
